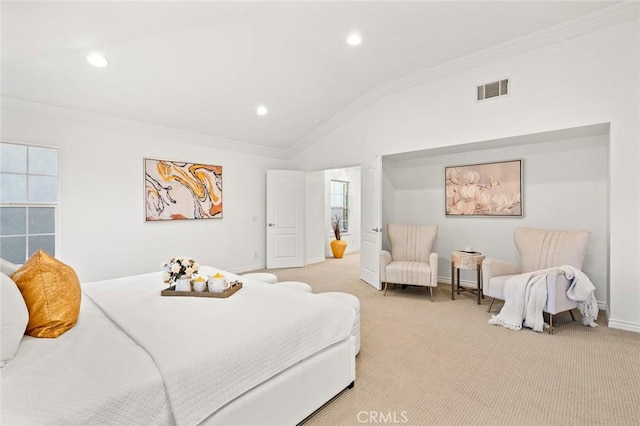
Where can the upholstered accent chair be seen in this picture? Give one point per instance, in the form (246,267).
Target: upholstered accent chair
(539,249)
(411,260)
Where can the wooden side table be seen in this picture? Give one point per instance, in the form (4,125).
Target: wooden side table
(466,260)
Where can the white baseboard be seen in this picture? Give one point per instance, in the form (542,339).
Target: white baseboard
(603,307)
(444,280)
(260,266)
(463,283)
(624,325)
(243,269)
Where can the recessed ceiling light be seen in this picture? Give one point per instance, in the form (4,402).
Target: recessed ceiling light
(97,60)
(354,39)
(262,110)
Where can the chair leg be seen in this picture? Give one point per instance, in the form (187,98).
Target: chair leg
(551,321)
(491,304)
(385,288)
(431,293)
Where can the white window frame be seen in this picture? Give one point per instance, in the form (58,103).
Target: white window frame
(36,204)
(344,223)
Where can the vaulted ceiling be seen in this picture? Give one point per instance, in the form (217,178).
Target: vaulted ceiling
(204,67)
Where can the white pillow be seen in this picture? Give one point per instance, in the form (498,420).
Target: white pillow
(7,267)
(13,318)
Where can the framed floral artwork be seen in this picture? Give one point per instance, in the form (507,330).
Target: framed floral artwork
(487,189)
(176,190)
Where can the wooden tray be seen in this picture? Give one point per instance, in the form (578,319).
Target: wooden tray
(235,286)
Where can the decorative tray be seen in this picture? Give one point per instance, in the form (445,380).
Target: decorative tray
(233,287)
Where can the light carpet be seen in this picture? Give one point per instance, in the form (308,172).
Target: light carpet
(424,363)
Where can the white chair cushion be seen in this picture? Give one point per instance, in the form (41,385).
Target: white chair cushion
(13,318)
(403,272)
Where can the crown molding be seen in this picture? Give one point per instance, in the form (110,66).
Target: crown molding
(139,128)
(585,24)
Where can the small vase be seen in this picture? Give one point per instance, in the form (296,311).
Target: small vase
(183,284)
(338,247)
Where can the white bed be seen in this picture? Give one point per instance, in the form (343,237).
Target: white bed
(264,356)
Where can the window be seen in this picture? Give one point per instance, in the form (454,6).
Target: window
(28,200)
(340,203)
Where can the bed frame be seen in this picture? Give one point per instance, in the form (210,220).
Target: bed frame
(294,394)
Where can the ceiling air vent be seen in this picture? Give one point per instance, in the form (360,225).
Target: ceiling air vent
(492,90)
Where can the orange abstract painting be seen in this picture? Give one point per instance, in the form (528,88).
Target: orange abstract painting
(178,190)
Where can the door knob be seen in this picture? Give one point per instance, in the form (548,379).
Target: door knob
(271,224)
(376,230)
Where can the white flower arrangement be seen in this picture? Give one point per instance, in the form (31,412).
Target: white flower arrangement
(177,267)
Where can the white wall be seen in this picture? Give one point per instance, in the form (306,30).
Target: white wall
(565,186)
(315,217)
(352,238)
(588,79)
(102,232)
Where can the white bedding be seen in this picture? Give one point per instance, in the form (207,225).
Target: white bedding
(207,352)
(92,374)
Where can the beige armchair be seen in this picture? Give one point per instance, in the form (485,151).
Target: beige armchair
(539,249)
(411,261)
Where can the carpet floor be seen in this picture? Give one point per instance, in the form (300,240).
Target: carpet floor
(424,363)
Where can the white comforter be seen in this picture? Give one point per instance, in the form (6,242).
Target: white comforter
(91,375)
(178,360)
(211,351)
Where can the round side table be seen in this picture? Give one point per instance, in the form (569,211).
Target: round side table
(466,260)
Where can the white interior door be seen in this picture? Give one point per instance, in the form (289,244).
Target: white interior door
(285,218)
(371,241)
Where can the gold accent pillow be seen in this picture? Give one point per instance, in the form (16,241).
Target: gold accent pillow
(52,293)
